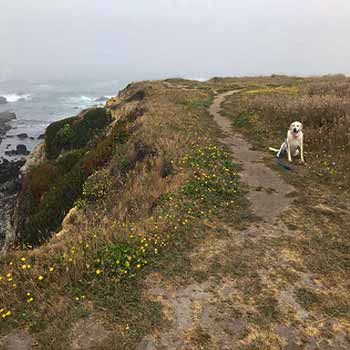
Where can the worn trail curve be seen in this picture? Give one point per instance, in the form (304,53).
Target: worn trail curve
(268,193)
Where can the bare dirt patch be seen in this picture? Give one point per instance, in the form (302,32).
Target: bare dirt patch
(88,334)
(18,340)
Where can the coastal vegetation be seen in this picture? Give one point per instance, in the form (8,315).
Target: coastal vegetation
(51,188)
(143,187)
(75,132)
(321,104)
(142,191)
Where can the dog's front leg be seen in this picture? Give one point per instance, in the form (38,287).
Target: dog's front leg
(289,152)
(302,149)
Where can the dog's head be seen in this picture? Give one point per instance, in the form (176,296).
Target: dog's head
(295,128)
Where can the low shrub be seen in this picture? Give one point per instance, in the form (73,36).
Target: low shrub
(75,132)
(97,185)
(66,161)
(52,188)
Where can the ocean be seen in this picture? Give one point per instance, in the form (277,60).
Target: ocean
(37,104)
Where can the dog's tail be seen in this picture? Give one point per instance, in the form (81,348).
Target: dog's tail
(274,149)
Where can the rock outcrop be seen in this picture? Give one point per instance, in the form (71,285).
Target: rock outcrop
(5,119)
(9,187)
(22,136)
(21,150)
(36,157)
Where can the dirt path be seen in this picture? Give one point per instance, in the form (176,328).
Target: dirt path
(248,299)
(267,189)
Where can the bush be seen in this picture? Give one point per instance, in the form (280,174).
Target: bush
(51,189)
(97,185)
(76,132)
(66,161)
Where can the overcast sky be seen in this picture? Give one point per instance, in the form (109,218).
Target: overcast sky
(145,39)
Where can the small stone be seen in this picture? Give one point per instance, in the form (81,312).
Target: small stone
(22,136)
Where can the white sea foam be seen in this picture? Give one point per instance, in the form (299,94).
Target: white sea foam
(81,100)
(17,97)
(85,101)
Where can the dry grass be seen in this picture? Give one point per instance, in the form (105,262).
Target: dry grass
(321,104)
(97,262)
(159,207)
(308,268)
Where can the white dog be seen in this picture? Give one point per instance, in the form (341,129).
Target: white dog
(294,144)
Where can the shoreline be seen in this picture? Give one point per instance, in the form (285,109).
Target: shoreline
(10,180)
(10,185)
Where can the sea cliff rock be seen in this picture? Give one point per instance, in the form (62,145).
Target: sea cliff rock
(36,157)
(9,187)
(3,100)
(21,150)
(22,136)
(7,116)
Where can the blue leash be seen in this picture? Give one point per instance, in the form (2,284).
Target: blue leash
(279,155)
(283,165)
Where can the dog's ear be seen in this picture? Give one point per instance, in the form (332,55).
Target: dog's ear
(301,126)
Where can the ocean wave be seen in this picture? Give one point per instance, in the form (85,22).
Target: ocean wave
(86,100)
(80,100)
(17,97)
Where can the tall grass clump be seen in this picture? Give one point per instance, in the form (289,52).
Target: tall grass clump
(321,104)
(326,117)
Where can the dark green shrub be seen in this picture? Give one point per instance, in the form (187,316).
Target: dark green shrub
(42,209)
(40,178)
(51,138)
(101,154)
(76,132)
(66,161)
